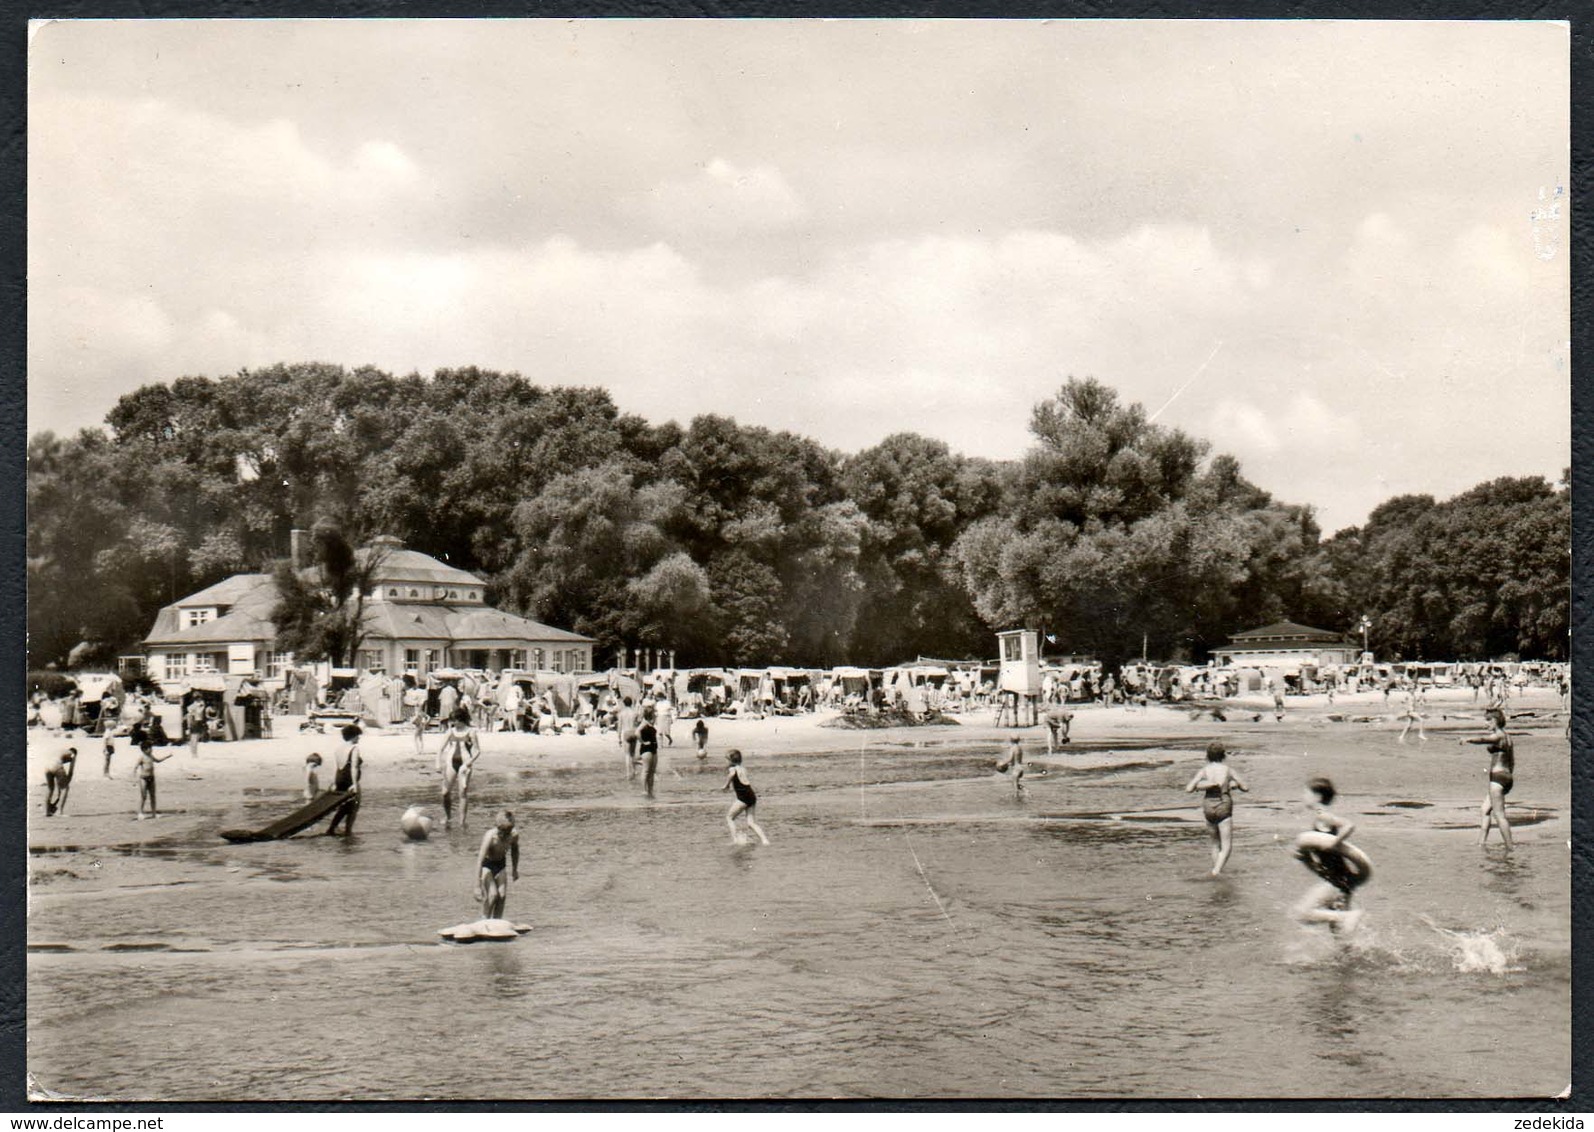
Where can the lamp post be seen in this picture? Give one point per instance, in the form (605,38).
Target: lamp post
(1366,624)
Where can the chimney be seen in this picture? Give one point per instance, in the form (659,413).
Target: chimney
(296,547)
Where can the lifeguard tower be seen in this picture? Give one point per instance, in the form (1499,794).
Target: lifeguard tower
(1019,679)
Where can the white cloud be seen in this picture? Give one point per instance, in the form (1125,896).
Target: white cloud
(722,201)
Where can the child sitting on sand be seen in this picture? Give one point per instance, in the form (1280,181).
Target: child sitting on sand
(1341,868)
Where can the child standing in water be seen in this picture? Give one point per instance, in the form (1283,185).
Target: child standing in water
(1502,773)
(700,737)
(145,773)
(312,776)
(1013,762)
(1340,867)
(746,799)
(1218,780)
(500,847)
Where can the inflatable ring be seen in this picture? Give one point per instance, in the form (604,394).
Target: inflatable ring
(1358,868)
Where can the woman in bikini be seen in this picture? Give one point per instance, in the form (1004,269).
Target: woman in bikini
(460,749)
(1502,773)
(1218,780)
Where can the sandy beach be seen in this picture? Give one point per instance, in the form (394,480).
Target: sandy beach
(241,783)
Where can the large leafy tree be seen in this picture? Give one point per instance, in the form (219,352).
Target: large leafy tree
(320,610)
(1119,531)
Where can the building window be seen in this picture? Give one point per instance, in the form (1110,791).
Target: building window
(428,662)
(392,593)
(277,664)
(453,595)
(192,617)
(372,660)
(176,664)
(204,663)
(414,592)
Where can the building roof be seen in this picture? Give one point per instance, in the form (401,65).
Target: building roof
(228,591)
(254,596)
(1286,631)
(247,599)
(401,565)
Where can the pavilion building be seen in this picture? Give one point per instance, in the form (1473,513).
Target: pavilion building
(420,615)
(1288,645)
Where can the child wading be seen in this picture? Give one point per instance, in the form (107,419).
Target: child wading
(145,773)
(746,799)
(1013,763)
(1218,780)
(1341,868)
(500,847)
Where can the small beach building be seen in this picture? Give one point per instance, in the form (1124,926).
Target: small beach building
(1288,646)
(421,615)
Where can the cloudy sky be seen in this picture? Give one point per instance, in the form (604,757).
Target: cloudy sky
(1336,250)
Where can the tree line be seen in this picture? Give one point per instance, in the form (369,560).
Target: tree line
(736,544)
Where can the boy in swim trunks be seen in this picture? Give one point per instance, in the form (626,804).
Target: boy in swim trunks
(500,846)
(1013,762)
(700,737)
(1218,780)
(746,799)
(626,725)
(145,773)
(1502,774)
(1339,873)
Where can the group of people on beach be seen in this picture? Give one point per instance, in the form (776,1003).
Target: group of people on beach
(638,729)
(1325,850)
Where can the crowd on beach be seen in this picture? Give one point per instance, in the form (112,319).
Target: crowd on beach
(643,715)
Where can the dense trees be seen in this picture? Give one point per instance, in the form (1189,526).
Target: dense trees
(737,544)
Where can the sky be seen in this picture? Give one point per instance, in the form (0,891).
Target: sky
(1337,251)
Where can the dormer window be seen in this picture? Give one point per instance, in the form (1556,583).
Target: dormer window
(392,592)
(192,617)
(415,593)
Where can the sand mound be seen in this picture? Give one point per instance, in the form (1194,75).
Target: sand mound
(890,718)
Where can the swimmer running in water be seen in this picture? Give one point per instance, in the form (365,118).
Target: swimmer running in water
(746,799)
(1502,773)
(500,846)
(1341,868)
(1218,780)
(1413,714)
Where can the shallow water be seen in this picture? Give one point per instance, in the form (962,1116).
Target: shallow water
(913,930)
